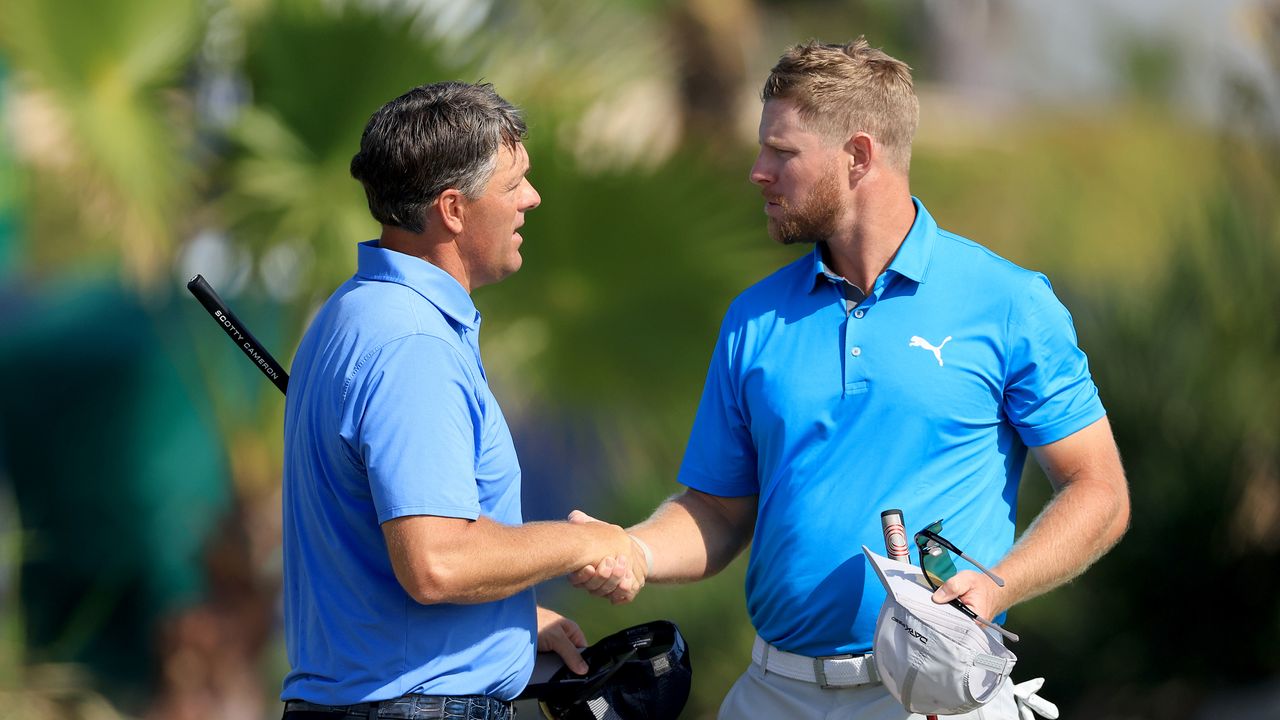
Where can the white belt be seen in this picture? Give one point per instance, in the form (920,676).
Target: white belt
(834,671)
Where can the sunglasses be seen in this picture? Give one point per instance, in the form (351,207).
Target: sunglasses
(938,567)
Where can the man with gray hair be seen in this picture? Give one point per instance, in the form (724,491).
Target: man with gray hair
(896,366)
(408,570)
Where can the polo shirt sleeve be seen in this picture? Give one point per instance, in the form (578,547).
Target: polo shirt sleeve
(720,458)
(1049,393)
(416,427)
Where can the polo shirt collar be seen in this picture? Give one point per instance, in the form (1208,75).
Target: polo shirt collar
(437,286)
(820,269)
(912,259)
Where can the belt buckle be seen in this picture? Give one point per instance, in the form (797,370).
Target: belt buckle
(820,671)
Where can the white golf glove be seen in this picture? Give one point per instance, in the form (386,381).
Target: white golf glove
(1030,704)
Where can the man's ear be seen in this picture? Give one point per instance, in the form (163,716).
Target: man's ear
(450,208)
(860,151)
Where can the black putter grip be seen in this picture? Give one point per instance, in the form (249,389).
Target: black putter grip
(238,333)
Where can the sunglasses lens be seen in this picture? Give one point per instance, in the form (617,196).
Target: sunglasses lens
(937,565)
(935,560)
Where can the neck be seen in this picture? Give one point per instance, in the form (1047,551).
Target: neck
(441,251)
(879,222)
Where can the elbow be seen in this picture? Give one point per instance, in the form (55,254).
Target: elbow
(1121,517)
(431,583)
(429,558)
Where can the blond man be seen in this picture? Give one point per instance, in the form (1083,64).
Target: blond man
(896,365)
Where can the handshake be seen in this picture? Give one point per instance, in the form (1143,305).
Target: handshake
(620,573)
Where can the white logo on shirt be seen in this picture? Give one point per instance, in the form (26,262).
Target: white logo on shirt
(917,341)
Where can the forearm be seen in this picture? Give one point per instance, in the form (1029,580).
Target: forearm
(694,536)
(482,561)
(1080,524)
(1075,529)
(1085,518)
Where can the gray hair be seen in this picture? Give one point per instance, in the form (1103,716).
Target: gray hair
(432,138)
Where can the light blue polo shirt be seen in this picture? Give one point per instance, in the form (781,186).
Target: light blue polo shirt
(923,398)
(388,414)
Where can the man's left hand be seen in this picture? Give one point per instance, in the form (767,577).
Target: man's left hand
(974,589)
(559,634)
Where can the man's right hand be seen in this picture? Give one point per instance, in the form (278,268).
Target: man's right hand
(619,575)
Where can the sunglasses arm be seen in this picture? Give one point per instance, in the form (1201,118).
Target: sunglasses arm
(994,577)
(947,544)
(1012,637)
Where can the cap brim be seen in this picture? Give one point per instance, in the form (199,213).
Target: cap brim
(903,581)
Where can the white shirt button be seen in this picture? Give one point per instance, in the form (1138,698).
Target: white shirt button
(856,352)
(859,313)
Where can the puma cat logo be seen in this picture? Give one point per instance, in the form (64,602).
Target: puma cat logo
(917,341)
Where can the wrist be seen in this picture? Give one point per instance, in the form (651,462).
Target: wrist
(646,550)
(1005,596)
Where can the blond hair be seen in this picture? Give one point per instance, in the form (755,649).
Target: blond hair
(843,89)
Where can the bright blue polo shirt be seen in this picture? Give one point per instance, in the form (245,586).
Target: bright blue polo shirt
(389,414)
(831,416)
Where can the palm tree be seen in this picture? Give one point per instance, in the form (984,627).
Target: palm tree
(101,128)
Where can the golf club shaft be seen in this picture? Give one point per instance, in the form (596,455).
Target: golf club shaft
(236,330)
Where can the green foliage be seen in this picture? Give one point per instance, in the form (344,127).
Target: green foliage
(288,179)
(1150,67)
(1086,199)
(107,141)
(1188,373)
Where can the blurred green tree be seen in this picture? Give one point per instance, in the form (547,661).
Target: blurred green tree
(104,135)
(1189,375)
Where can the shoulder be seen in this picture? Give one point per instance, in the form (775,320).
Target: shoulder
(968,269)
(958,256)
(383,311)
(375,328)
(412,370)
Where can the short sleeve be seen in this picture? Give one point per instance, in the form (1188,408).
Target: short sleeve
(415,418)
(1049,393)
(720,458)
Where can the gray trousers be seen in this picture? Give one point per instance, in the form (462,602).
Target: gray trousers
(760,695)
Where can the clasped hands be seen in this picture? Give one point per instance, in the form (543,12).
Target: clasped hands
(618,576)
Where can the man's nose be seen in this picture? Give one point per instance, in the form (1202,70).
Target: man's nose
(758,174)
(533,199)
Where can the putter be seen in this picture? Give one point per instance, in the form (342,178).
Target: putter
(238,333)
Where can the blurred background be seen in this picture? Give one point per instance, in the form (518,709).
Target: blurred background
(1127,148)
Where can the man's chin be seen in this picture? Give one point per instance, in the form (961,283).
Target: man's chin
(775,232)
(785,233)
(508,268)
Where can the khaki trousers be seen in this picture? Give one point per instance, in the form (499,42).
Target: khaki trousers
(758,695)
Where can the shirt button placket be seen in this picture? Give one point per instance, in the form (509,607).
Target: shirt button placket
(858,315)
(854,370)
